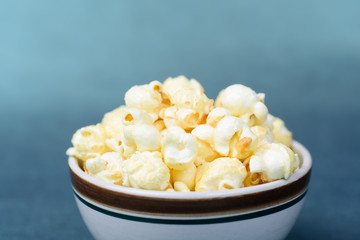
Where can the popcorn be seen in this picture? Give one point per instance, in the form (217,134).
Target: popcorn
(187,94)
(243,144)
(148,97)
(170,137)
(139,133)
(88,142)
(115,144)
(239,100)
(172,85)
(216,115)
(281,133)
(249,119)
(186,176)
(224,131)
(142,137)
(160,125)
(133,116)
(221,174)
(106,167)
(263,135)
(179,148)
(205,153)
(182,117)
(181,187)
(146,170)
(274,161)
(204,132)
(193,99)
(112,122)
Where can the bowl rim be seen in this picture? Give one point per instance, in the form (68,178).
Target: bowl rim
(306,165)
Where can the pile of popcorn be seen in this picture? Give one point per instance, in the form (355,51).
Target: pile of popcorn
(172,137)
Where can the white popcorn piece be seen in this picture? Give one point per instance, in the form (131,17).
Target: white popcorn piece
(115,144)
(112,122)
(146,170)
(274,161)
(88,142)
(224,131)
(243,144)
(249,119)
(133,116)
(204,132)
(239,99)
(221,174)
(186,176)
(182,117)
(106,167)
(148,97)
(216,115)
(179,148)
(142,137)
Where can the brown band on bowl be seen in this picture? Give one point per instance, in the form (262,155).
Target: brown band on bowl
(190,207)
(191,220)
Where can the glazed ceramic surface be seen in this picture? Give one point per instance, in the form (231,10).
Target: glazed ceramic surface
(266,211)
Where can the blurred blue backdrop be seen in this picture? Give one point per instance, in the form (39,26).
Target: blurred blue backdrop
(63,64)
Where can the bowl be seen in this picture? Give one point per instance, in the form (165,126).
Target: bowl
(266,211)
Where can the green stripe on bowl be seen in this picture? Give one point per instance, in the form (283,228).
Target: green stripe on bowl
(241,217)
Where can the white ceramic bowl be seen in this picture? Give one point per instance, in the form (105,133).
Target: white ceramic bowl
(266,211)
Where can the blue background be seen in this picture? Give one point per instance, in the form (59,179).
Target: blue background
(63,64)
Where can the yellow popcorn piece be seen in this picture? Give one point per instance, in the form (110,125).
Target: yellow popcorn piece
(186,93)
(221,174)
(186,176)
(281,133)
(193,99)
(106,167)
(205,153)
(112,122)
(274,161)
(146,170)
(239,99)
(263,135)
(172,85)
(181,187)
(179,148)
(88,142)
(160,125)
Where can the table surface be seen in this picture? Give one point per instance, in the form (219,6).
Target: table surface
(63,65)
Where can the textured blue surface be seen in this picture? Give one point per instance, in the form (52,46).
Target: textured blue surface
(63,64)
